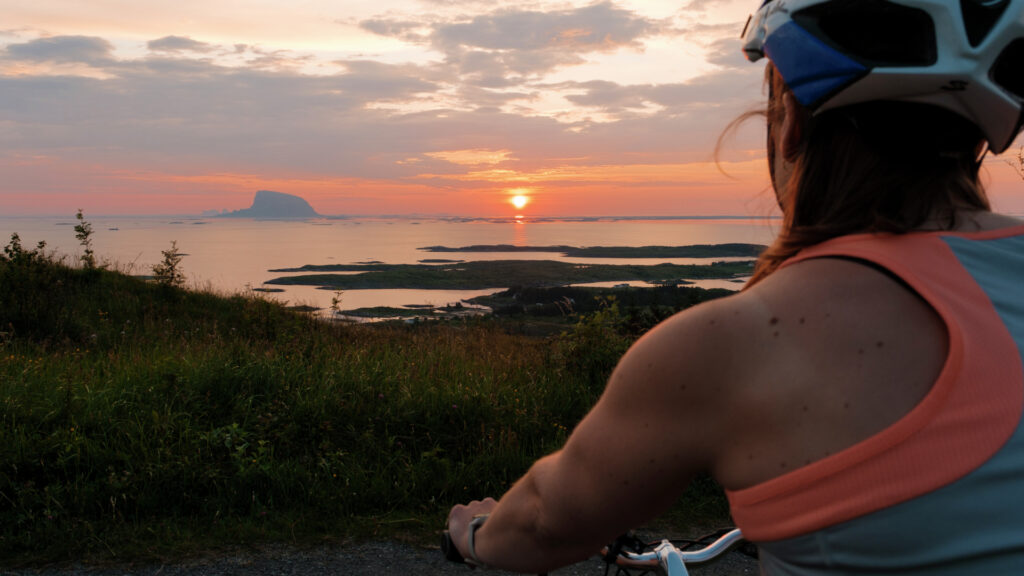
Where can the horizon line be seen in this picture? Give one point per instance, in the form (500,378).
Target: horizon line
(517,218)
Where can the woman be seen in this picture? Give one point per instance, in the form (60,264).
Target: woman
(861,399)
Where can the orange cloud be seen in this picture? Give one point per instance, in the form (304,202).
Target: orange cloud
(473,157)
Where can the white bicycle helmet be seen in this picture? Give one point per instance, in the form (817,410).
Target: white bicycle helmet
(966,56)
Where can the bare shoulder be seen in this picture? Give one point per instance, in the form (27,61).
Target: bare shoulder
(728,341)
(805,363)
(848,351)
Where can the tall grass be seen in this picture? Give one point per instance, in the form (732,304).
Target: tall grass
(139,419)
(134,415)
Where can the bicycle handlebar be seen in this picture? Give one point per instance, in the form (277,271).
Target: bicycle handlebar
(667,554)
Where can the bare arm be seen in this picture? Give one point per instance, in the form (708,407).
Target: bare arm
(747,387)
(658,423)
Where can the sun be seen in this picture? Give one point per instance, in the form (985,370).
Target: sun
(520,200)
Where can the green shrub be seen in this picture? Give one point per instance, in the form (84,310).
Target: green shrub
(594,345)
(168,271)
(83,232)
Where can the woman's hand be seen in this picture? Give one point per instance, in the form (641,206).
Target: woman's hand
(460,517)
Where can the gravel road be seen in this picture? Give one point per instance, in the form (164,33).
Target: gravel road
(367,559)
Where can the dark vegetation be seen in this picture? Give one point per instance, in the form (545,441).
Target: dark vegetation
(422,311)
(498,273)
(141,420)
(569,301)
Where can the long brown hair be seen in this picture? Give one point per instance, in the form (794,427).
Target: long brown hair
(879,167)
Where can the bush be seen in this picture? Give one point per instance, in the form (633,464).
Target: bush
(83,232)
(168,271)
(594,346)
(16,255)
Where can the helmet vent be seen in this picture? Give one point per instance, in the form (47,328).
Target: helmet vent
(1007,70)
(980,16)
(877,33)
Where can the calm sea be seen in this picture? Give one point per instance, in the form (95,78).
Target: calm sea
(229,255)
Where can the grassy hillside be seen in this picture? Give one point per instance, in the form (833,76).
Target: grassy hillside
(141,420)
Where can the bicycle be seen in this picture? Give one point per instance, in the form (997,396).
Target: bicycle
(632,556)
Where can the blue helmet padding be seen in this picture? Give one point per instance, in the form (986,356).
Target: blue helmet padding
(811,68)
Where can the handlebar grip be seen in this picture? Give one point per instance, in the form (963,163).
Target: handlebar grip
(451,553)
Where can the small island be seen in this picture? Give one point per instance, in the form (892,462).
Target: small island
(480,275)
(269,205)
(538,288)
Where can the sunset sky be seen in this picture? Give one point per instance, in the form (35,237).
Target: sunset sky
(608,108)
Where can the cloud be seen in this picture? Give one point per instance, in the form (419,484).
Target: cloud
(14,32)
(371,81)
(408,31)
(522,42)
(598,27)
(172,111)
(63,49)
(703,6)
(491,69)
(725,89)
(182,111)
(471,157)
(609,96)
(483,97)
(179,44)
(183,49)
(189,105)
(272,59)
(728,53)
(730,89)
(460,3)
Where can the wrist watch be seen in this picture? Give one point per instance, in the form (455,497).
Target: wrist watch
(475,524)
